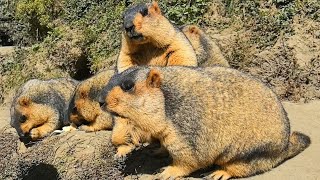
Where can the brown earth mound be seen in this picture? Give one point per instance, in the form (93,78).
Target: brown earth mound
(70,155)
(291,66)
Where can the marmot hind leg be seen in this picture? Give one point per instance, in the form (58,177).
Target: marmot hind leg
(245,168)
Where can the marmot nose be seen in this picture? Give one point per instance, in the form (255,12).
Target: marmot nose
(129,27)
(24,135)
(102,104)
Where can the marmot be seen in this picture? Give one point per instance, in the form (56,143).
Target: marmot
(149,38)
(206,116)
(84,110)
(124,135)
(207,51)
(38,107)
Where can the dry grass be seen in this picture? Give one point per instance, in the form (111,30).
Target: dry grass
(278,44)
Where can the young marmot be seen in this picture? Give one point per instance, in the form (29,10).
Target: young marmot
(149,38)
(38,107)
(207,51)
(206,116)
(84,110)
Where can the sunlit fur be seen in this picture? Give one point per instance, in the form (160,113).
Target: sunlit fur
(207,51)
(127,137)
(42,105)
(160,43)
(206,116)
(84,108)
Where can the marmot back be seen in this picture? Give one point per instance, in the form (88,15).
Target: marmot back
(207,51)
(84,109)
(206,116)
(149,38)
(38,107)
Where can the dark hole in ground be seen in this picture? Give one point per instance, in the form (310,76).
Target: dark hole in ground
(143,162)
(82,69)
(41,171)
(5,39)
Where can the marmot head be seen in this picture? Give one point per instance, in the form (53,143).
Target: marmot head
(82,108)
(142,21)
(195,36)
(135,93)
(192,32)
(27,113)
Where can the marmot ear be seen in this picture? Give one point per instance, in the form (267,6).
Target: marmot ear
(84,92)
(154,8)
(153,79)
(24,101)
(194,29)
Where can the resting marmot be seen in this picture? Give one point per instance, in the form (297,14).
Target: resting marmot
(206,116)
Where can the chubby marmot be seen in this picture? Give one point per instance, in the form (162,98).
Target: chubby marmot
(149,38)
(206,116)
(84,110)
(38,107)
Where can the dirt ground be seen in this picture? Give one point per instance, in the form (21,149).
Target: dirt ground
(6,50)
(303,117)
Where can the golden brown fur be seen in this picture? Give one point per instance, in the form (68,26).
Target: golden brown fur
(38,107)
(149,38)
(127,137)
(160,44)
(206,116)
(207,51)
(84,108)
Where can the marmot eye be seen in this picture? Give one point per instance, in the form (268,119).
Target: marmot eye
(23,119)
(74,110)
(144,12)
(127,85)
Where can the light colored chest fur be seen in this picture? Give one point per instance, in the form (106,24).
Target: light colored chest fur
(148,55)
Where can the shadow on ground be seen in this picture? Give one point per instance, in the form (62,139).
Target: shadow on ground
(142,161)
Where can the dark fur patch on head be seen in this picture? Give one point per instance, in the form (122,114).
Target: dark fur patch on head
(67,81)
(53,99)
(94,93)
(117,80)
(128,18)
(134,9)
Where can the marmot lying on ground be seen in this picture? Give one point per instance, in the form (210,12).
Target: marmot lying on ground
(84,109)
(38,108)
